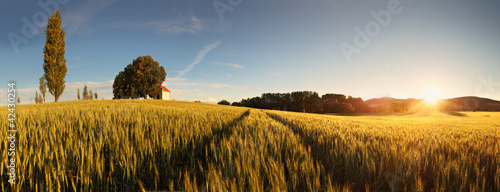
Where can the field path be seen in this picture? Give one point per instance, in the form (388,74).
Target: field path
(316,153)
(226,130)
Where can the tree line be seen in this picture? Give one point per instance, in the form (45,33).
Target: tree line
(306,101)
(311,102)
(87,94)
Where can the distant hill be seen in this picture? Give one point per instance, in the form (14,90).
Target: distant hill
(473,104)
(455,104)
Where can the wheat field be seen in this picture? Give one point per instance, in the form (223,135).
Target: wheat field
(151,145)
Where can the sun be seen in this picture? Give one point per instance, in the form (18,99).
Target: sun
(432,95)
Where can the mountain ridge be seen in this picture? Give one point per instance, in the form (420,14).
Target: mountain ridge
(465,103)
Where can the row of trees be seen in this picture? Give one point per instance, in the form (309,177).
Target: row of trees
(40,98)
(306,101)
(86,95)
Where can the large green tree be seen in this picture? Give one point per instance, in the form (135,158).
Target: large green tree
(54,64)
(142,78)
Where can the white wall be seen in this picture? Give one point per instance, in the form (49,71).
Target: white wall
(166,95)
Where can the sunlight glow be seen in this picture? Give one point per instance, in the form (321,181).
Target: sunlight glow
(432,95)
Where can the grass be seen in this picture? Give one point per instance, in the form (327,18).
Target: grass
(139,145)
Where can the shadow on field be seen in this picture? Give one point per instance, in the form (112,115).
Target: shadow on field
(226,130)
(457,114)
(316,151)
(195,155)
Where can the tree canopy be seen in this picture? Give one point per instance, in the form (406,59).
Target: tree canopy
(224,102)
(142,78)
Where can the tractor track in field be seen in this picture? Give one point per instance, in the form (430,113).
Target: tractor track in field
(226,130)
(199,151)
(316,153)
(290,126)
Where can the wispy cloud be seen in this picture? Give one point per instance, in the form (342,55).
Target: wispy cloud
(174,26)
(77,65)
(104,89)
(91,84)
(199,57)
(185,90)
(191,25)
(208,100)
(74,66)
(222,85)
(233,65)
(74,20)
(175,79)
(181,82)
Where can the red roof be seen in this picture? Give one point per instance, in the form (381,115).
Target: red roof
(165,89)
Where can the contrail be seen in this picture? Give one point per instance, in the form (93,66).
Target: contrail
(201,54)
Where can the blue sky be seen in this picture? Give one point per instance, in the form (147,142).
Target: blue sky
(240,49)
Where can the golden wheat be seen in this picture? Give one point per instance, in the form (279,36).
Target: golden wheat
(138,145)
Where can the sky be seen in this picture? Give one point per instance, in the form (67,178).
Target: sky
(234,49)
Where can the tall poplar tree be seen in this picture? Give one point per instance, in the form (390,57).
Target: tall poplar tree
(43,87)
(54,64)
(85,93)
